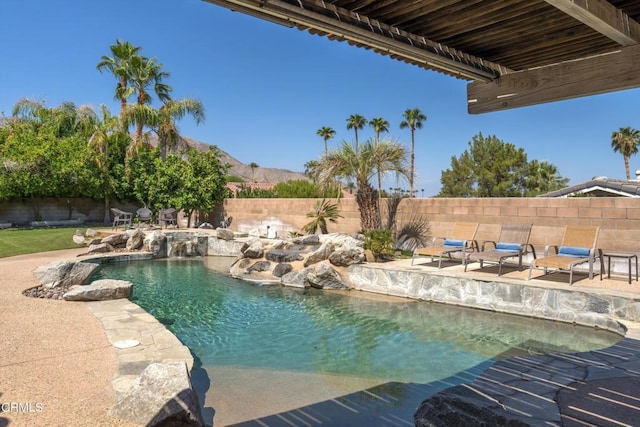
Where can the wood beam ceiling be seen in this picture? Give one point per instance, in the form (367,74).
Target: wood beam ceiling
(603,17)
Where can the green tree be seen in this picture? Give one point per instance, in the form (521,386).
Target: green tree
(345,162)
(310,170)
(379,125)
(120,65)
(253,166)
(413,119)
(326,133)
(356,122)
(491,167)
(303,189)
(625,141)
(322,212)
(543,177)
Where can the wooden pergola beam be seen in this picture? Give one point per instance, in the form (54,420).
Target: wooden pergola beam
(603,17)
(591,76)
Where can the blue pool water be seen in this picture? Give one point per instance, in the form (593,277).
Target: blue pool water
(228,322)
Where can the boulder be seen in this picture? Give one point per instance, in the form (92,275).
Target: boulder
(224,234)
(136,240)
(281,269)
(117,240)
(93,241)
(100,248)
(369,256)
(319,254)
(324,276)
(279,255)
(161,396)
(100,290)
(90,233)
(156,243)
(78,237)
(239,267)
(64,273)
(259,266)
(347,257)
(296,279)
(256,250)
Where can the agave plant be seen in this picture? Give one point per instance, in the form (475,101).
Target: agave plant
(322,212)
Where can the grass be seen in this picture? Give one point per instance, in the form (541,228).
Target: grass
(18,242)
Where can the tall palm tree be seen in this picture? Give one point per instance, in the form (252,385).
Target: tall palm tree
(119,64)
(379,125)
(625,141)
(326,133)
(253,166)
(413,119)
(356,122)
(345,162)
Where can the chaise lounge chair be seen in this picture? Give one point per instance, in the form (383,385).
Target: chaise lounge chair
(461,239)
(513,242)
(121,217)
(578,246)
(144,215)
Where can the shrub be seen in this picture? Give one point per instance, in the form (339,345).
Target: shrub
(379,242)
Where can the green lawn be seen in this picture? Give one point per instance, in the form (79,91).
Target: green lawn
(17,242)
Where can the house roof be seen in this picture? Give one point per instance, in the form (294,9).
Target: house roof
(514,52)
(599,187)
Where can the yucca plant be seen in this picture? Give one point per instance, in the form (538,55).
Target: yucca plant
(322,212)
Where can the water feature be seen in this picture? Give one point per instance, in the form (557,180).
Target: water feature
(267,349)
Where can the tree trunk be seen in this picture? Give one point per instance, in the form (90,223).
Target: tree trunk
(626,167)
(367,200)
(411,172)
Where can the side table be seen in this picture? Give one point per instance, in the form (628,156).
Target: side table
(623,255)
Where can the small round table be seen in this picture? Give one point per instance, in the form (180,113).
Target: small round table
(623,255)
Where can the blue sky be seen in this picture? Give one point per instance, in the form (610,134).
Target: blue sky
(267,89)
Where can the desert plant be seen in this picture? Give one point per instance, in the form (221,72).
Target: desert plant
(413,233)
(322,212)
(379,242)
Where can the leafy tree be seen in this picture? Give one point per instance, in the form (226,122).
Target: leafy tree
(625,141)
(326,133)
(345,162)
(120,65)
(356,122)
(248,192)
(543,177)
(413,119)
(493,168)
(310,170)
(303,189)
(253,166)
(322,212)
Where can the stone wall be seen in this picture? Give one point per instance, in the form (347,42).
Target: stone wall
(618,217)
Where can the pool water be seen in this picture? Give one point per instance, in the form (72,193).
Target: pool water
(241,325)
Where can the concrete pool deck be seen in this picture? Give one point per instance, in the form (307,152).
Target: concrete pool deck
(57,364)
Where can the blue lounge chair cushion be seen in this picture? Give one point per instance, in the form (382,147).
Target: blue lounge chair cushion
(508,247)
(453,243)
(573,252)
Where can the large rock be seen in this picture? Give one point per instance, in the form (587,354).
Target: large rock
(100,290)
(64,273)
(320,254)
(323,276)
(156,243)
(259,266)
(162,396)
(224,234)
(281,269)
(296,279)
(255,250)
(78,237)
(347,257)
(117,240)
(100,248)
(283,256)
(136,240)
(239,267)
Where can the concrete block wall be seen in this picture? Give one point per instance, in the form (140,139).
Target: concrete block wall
(618,218)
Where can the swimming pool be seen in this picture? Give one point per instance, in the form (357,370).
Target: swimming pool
(247,336)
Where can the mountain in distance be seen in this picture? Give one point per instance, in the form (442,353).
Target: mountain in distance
(260,174)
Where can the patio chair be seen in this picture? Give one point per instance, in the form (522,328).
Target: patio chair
(145,215)
(168,217)
(121,217)
(578,246)
(461,239)
(513,242)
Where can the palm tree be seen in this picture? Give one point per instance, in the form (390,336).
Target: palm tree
(345,162)
(625,141)
(322,212)
(310,170)
(253,166)
(119,64)
(326,133)
(355,122)
(379,125)
(413,119)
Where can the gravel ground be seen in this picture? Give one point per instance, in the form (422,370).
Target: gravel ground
(55,361)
